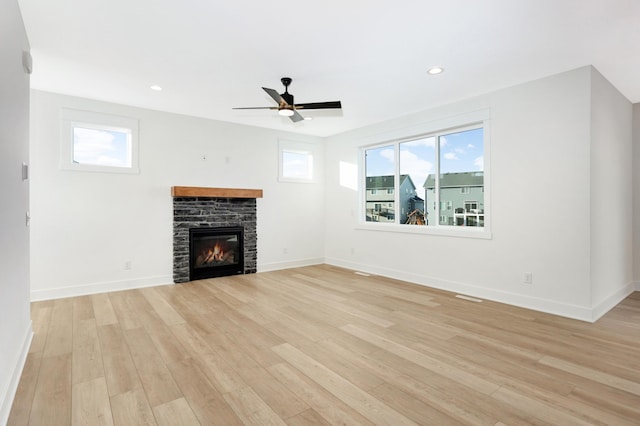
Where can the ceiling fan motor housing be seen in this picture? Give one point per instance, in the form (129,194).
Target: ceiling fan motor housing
(288,98)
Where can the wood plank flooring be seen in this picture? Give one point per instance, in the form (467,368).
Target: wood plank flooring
(322,345)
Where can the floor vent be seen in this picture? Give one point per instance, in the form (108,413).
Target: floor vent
(469,298)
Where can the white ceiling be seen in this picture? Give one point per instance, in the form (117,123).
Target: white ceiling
(212,55)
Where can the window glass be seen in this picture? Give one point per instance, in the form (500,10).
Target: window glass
(433,180)
(380,183)
(297,165)
(462,166)
(417,160)
(298,162)
(99,147)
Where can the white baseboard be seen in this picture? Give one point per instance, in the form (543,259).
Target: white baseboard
(102,287)
(10,390)
(606,305)
(543,305)
(276,266)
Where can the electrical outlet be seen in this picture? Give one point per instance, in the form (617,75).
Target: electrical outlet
(128,265)
(528,278)
(284,251)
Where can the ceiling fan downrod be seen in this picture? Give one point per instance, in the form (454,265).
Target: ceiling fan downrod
(288,98)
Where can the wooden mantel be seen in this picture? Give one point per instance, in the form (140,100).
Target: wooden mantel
(197,191)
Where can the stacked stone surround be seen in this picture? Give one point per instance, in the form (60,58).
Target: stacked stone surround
(206,212)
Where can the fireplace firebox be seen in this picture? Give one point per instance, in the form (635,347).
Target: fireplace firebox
(215,252)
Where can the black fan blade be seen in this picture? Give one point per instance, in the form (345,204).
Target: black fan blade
(320,105)
(275,95)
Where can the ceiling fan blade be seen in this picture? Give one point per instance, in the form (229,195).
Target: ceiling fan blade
(256,108)
(275,95)
(296,117)
(320,105)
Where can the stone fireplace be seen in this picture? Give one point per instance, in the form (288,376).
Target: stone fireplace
(214,232)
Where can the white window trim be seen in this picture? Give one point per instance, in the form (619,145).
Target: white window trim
(459,122)
(298,148)
(70,118)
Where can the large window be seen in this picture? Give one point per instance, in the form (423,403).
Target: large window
(98,142)
(436,180)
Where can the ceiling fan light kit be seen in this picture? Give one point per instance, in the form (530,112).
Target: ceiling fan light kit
(285,112)
(286,106)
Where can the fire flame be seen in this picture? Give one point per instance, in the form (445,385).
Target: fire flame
(214,254)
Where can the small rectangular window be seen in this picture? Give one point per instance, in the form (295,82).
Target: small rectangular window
(98,142)
(296,162)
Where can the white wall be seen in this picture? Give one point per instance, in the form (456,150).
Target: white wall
(611,195)
(636,196)
(15,325)
(85,226)
(550,161)
(540,203)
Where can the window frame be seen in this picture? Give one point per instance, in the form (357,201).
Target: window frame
(297,148)
(71,119)
(447,125)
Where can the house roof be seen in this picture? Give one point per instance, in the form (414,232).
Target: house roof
(456,180)
(384,182)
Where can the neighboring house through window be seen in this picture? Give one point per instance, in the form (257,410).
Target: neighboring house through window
(449,169)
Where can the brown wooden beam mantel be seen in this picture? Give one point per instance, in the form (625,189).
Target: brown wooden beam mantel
(197,191)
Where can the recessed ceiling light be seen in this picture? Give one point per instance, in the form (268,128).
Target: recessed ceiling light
(156,88)
(435,70)
(308,118)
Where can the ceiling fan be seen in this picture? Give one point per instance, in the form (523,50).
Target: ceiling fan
(286,107)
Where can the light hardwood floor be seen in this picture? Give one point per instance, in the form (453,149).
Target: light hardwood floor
(322,345)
